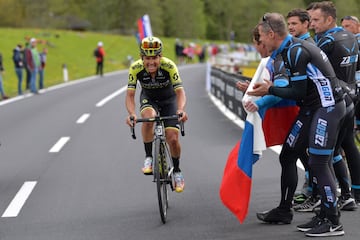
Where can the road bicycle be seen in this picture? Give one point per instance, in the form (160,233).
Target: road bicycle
(163,169)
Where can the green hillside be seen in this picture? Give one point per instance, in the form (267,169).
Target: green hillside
(75,49)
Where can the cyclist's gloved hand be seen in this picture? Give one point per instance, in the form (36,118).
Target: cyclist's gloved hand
(182,115)
(131,120)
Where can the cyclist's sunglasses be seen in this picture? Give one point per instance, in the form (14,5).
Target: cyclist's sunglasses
(350,18)
(147,45)
(266,20)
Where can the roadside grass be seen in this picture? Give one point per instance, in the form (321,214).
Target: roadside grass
(75,49)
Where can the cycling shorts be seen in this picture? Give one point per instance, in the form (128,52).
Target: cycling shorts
(165,107)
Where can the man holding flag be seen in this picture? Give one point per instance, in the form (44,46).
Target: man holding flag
(261,113)
(314,85)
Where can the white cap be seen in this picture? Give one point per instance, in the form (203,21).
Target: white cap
(100,44)
(32,40)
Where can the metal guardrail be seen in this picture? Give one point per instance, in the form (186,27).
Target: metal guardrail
(223,87)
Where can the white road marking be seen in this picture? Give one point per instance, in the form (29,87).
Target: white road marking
(26,189)
(111,96)
(19,200)
(57,147)
(228,113)
(83,118)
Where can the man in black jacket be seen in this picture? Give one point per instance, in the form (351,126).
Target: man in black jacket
(19,65)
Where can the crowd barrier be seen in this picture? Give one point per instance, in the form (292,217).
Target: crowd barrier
(222,85)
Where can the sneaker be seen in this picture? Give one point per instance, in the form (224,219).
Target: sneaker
(300,198)
(325,228)
(179,182)
(308,205)
(357,198)
(348,204)
(276,215)
(309,225)
(147,169)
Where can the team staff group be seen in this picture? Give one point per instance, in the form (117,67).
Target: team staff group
(321,77)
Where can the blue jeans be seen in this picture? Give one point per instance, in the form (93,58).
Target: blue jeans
(1,86)
(19,74)
(33,80)
(41,78)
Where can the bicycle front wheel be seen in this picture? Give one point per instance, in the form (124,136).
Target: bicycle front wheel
(160,176)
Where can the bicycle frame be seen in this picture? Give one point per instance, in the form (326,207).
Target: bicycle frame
(162,161)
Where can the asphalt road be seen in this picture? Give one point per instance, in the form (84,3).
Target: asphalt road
(69,170)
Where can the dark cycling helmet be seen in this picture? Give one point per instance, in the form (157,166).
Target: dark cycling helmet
(150,46)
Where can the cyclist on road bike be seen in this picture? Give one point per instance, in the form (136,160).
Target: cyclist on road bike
(161,91)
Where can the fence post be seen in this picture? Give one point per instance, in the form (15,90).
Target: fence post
(65,73)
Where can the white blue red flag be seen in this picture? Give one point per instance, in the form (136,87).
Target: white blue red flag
(235,189)
(144,27)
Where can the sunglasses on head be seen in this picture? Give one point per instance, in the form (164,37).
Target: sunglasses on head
(267,21)
(350,18)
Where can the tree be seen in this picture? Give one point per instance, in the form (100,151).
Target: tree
(238,16)
(184,18)
(192,19)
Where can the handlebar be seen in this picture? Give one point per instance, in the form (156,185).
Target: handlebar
(132,128)
(156,119)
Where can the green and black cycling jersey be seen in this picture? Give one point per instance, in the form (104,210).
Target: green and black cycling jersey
(162,87)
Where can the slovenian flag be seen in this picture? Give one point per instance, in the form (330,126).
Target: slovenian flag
(144,27)
(235,189)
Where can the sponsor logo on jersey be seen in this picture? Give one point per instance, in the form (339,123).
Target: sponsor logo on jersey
(326,89)
(329,194)
(349,60)
(137,66)
(294,133)
(321,132)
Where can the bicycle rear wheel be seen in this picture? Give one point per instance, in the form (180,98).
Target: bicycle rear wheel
(160,178)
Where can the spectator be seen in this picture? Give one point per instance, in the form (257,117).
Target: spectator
(28,73)
(351,23)
(99,54)
(307,69)
(214,50)
(179,48)
(298,21)
(33,64)
(19,64)
(189,52)
(42,67)
(1,82)
(200,52)
(342,50)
